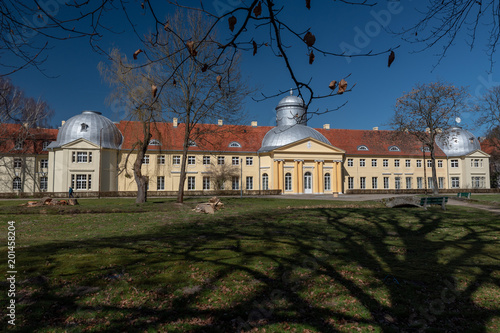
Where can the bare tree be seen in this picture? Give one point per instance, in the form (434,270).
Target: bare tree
(136,89)
(443,22)
(195,88)
(220,174)
(489,111)
(428,111)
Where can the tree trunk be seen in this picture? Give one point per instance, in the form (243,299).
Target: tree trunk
(140,180)
(185,147)
(435,189)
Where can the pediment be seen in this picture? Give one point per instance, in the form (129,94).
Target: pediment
(309,145)
(80,144)
(477,153)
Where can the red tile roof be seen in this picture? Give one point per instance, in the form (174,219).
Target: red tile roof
(33,138)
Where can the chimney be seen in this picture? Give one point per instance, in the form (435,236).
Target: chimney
(254,124)
(174,122)
(63,122)
(375,128)
(219,122)
(326,126)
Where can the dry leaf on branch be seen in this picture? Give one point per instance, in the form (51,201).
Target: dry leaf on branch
(166,26)
(136,53)
(310,39)
(142,5)
(392,56)
(174,83)
(333,85)
(190,46)
(219,80)
(311,58)
(204,68)
(154,89)
(342,87)
(254,44)
(232,22)
(308,4)
(257,10)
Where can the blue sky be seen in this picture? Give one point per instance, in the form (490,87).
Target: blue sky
(77,85)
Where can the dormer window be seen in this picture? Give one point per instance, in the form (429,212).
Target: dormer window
(425,149)
(18,145)
(84,127)
(191,143)
(154,142)
(394,148)
(45,145)
(235,144)
(363,148)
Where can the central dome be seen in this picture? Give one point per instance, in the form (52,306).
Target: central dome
(457,142)
(291,121)
(91,126)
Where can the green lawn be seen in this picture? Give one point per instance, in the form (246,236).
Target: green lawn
(265,264)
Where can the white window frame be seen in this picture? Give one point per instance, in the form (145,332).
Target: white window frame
(249,183)
(454,163)
(420,182)
(220,160)
(350,183)
(145,159)
(206,160)
(18,163)
(362,162)
(328,182)
(386,183)
(455,182)
(362,182)
(288,181)
(419,163)
(235,144)
(396,163)
(191,160)
(81,157)
(44,164)
(408,163)
(160,159)
(374,162)
(440,163)
(235,183)
(350,162)
(235,160)
(160,183)
(265,181)
(44,183)
(176,160)
(441,182)
(17,184)
(408,182)
(397,183)
(374,183)
(249,161)
(385,163)
(191,183)
(429,163)
(206,182)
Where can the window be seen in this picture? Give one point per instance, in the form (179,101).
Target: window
(441,182)
(419,163)
(154,142)
(397,183)
(18,145)
(362,182)
(81,182)
(206,183)
(362,162)
(249,160)
(235,183)
(44,183)
(236,160)
(160,160)
(191,183)
(374,182)
(17,163)
(408,182)
(455,182)
(44,164)
(386,182)
(429,163)
(430,183)
(176,160)
(350,183)
(476,163)
(454,163)
(145,159)
(288,181)
(396,163)
(385,163)
(45,144)
(206,160)
(478,182)
(220,160)
(81,157)
(394,148)
(374,162)
(191,160)
(408,163)
(249,183)
(350,162)
(160,183)
(328,183)
(16,184)
(191,143)
(363,148)
(265,182)
(440,163)
(234,144)
(420,183)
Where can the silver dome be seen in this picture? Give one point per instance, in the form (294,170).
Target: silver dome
(457,141)
(283,135)
(291,110)
(91,126)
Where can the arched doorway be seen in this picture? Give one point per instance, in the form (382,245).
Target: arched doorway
(307,182)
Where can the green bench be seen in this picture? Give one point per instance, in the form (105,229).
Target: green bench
(464,195)
(434,201)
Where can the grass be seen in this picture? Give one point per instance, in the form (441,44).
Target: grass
(486,198)
(265,264)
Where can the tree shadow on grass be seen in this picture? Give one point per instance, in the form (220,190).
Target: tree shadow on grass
(322,269)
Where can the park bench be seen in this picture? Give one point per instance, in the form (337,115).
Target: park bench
(464,195)
(434,201)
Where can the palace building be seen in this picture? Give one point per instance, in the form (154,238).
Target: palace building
(92,154)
